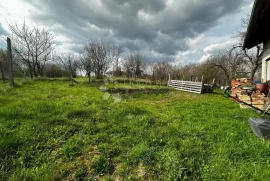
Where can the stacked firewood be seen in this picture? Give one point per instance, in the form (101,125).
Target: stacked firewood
(258,99)
(237,86)
(245,98)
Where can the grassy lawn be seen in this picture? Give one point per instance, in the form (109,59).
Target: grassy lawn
(50,130)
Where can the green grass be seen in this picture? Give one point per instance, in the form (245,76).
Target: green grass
(51,130)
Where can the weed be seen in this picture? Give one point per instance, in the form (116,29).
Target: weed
(81,174)
(102,165)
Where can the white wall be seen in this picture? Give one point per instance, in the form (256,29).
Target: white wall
(266,64)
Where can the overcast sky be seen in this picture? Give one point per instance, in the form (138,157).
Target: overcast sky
(164,30)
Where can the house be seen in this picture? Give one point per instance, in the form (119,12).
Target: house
(259,32)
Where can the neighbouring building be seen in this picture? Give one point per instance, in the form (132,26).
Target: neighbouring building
(259,32)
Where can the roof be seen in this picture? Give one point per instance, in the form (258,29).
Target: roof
(259,27)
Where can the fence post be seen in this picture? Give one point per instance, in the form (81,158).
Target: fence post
(10,69)
(214,81)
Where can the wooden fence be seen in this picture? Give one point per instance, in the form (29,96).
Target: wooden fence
(192,86)
(189,86)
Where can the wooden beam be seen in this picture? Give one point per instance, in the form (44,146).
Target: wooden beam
(10,67)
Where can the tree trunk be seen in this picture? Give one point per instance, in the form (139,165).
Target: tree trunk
(30,71)
(31,75)
(35,72)
(2,73)
(153,77)
(98,73)
(71,79)
(89,77)
(40,70)
(41,73)
(253,72)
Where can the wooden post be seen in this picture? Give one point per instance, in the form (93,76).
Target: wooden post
(10,69)
(213,81)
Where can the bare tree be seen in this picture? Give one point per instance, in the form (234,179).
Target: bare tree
(253,56)
(162,71)
(139,64)
(115,53)
(99,56)
(128,68)
(230,62)
(134,65)
(150,68)
(34,46)
(86,64)
(254,59)
(69,63)
(53,70)
(98,52)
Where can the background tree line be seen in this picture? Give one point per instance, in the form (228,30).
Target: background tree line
(34,55)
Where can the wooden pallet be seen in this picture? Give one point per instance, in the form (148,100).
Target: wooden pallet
(188,86)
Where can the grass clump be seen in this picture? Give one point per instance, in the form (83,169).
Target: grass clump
(81,174)
(102,165)
(70,150)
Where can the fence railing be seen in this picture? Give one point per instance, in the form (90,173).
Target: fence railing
(189,86)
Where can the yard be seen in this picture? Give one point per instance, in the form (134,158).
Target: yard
(51,130)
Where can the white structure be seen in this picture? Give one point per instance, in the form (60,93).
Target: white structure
(259,32)
(266,62)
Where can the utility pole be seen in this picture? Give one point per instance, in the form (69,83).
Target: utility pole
(10,69)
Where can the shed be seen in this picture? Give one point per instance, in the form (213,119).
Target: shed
(259,32)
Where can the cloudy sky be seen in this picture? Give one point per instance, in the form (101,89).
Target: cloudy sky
(164,30)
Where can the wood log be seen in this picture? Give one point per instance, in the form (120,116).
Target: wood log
(258,102)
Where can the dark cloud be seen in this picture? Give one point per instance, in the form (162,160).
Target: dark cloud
(157,26)
(78,48)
